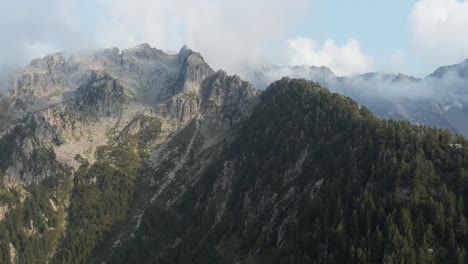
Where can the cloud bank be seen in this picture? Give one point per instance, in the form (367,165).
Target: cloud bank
(230,34)
(347,59)
(32,28)
(237,36)
(233,35)
(438,31)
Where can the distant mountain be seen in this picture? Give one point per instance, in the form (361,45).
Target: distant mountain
(440,99)
(139,156)
(457,70)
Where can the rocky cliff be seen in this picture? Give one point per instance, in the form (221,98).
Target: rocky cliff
(66,114)
(61,97)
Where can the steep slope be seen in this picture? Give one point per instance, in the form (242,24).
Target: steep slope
(311,178)
(102,95)
(78,133)
(4,108)
(68,100)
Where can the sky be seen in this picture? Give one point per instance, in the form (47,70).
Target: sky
(350,37)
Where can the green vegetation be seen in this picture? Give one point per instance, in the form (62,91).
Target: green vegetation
(310,178)
(102,194)
(35,214)
(369,191)
(150,128)
(33,227)
(100,199)
(53,94)
(5,104)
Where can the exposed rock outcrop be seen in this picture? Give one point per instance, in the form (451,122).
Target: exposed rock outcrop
(3,211)
(62,99)
(102,95)
(225,99)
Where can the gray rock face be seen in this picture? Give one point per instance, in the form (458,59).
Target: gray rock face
(102,95)
(194,72)
(227,99)
(201,92)
(142,52)
(181,108)
(26,159)
(63,100)
(45,78)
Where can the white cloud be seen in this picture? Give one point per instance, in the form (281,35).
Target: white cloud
(32,28)
(396,63)
(347,59)
(231,34)
(438,31)
(235,35)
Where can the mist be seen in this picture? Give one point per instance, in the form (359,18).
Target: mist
(32,29)
(236,36)
(449,87)
(7,75)
(231,35)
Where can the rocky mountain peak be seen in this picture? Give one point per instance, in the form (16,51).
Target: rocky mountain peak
(184,51)
(227,99)
(72,102)
(385,77)
(49,61)
(102,94)
(105,57)
(144,52)
(457,70)
(465,63)
(188,55)
(194,70)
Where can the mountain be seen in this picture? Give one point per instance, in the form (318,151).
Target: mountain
(458,70)
(313,178)
(438,100)
(103,112)
(138,156)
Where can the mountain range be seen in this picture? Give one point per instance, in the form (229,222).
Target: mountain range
(139,156)
(440,99)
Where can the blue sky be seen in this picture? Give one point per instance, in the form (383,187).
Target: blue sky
(350,37)
(381,26)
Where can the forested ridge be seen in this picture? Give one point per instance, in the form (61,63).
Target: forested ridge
(309,177)
(369,191)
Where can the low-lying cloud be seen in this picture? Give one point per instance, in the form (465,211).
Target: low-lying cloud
(237,36)
(448,88)
(33,28)
(232,34)
(347,59)
(438,31)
